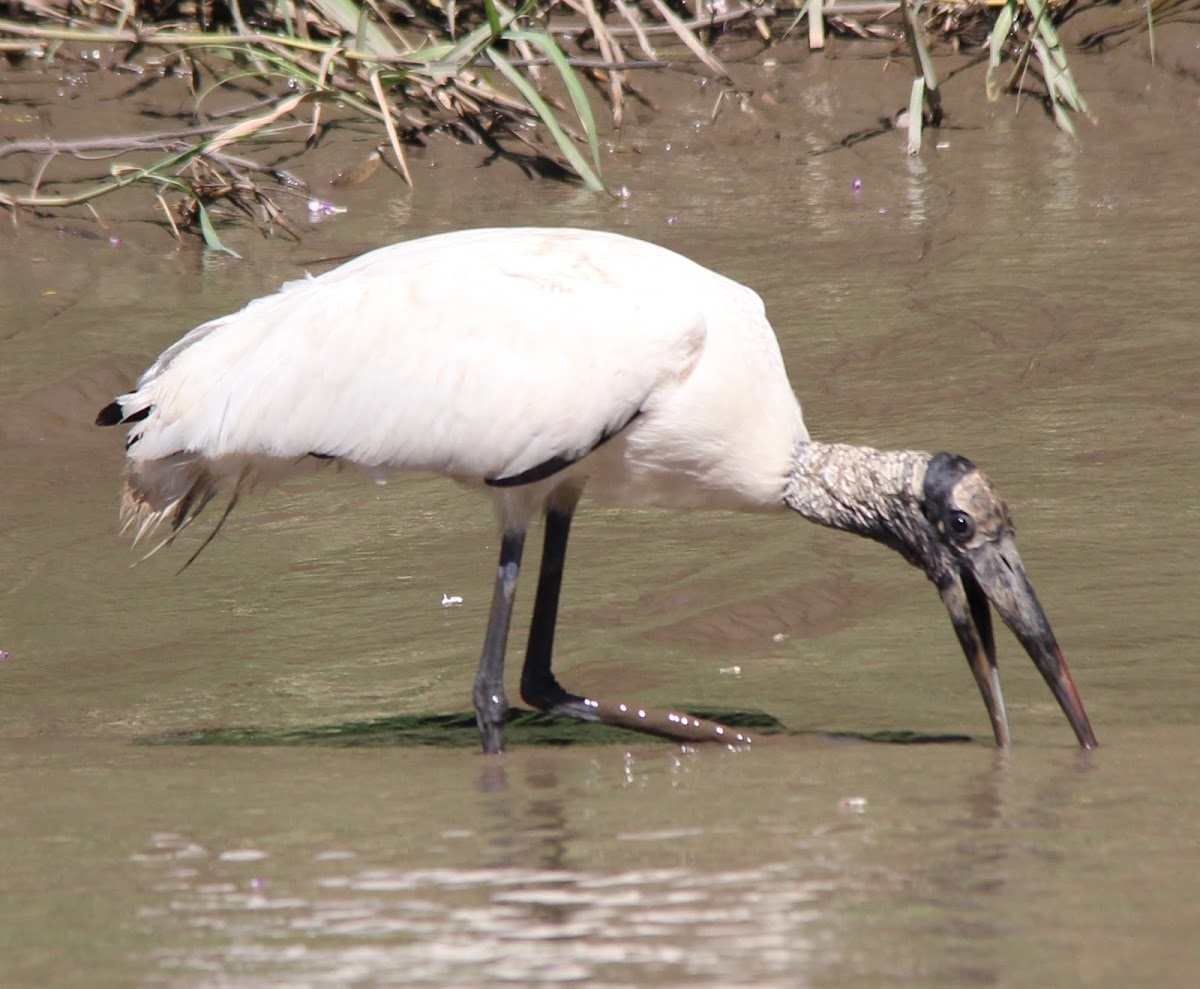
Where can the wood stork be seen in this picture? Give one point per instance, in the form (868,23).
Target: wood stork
(535,363)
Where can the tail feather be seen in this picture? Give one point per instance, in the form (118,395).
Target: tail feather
(110,415)
(167,477)
(233,500)
(166,483)
(113,414)
(176,490)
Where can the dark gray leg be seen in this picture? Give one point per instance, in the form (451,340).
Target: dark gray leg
(491,706)
(539,688)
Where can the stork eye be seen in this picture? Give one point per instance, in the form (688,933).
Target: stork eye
(960,525)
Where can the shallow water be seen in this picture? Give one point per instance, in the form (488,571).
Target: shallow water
(1007,296)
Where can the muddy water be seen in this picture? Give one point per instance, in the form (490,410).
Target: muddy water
(1007,296)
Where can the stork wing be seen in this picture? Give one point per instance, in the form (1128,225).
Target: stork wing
(477,360)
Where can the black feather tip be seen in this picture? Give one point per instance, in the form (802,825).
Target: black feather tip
(113,415)
(110,415)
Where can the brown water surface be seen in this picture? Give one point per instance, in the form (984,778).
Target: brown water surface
(1008,295)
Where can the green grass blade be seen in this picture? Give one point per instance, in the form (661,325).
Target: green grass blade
(351,20)
(546,115)
(1058,99)
(210,232)
(579,100)
(996,41)
(1054,59)
(469,46)
(916,105)
(493,18)
(917,46)
(1150,32)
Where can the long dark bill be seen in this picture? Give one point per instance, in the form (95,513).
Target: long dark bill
(994,573)
(972,622)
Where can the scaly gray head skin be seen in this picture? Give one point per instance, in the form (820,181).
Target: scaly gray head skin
(943,515)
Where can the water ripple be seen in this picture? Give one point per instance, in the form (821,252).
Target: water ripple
(478,926)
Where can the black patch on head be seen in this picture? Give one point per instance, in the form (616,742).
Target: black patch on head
(945,470)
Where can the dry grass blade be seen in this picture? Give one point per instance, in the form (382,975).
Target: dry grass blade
(634,20)
(693,43)
(323,74)
(390,126)
(245,128)
(816,24)
(610,50)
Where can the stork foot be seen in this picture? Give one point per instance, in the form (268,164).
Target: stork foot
(552,698)
(675,725)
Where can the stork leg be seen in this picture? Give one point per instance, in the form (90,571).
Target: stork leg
(540,688)
(491,704)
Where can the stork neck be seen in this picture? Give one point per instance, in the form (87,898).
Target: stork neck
(874,493)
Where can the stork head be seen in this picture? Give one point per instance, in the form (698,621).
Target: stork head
(971,556)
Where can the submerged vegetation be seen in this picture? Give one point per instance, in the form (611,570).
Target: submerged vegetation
(518,80)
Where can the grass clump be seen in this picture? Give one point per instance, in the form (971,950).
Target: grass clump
(414,71)
(515,78)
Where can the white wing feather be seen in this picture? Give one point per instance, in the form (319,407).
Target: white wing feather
(474,355)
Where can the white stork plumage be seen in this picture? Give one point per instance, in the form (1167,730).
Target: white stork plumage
(535,364)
